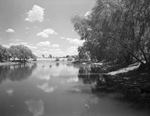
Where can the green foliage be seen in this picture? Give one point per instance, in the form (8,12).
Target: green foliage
(116,30)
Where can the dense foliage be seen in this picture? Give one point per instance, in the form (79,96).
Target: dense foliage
(19,52)
(116,30)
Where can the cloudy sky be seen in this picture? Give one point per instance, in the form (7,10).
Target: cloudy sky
(42,25)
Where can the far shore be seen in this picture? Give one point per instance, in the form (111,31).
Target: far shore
(13,63)
(31,61)
(8,63)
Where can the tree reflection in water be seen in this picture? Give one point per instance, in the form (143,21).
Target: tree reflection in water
(89,74)
(133,88)
(16,72)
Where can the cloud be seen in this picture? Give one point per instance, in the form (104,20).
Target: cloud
(13,44)
(36,14)
(72,50)
(35,107)
(55,46)
(74,41)
(42,34)
(31,47)
(46,32)
(46,44)
(10,30)
(24,43)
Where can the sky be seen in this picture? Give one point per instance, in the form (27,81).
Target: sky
(42,25)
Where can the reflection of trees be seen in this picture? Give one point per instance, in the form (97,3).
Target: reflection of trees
(88,74)
(57,64)
(16,72)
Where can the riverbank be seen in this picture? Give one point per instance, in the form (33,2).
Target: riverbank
(8,63)
(14,63)
(129,81)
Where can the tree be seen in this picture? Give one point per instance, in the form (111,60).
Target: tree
(50,56)
(14,52)
(4,54)
(83,54)
(117,30)
(21,52)
(43,55)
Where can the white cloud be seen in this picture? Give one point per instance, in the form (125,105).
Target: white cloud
(75,41)
(35,107)
(24,43)
(36,14)
(13,44)
(42,34)
(10,30)
(55,46)
(46,44)
(72,50)
(32,47)
(46,32)
(49,31)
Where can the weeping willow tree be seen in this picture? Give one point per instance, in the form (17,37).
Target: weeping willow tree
(117,30)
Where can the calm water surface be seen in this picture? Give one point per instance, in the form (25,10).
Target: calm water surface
(56,89)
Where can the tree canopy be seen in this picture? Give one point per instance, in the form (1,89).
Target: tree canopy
(20,52)
(116,30)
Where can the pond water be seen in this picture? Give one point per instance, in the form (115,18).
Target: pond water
(57,89)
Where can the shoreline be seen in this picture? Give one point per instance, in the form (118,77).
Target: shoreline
(13,63)
(8,63)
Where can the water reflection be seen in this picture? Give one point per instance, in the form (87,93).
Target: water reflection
(109,105)
(10,91)
(46,87)
(57,64)
(16,72)
(35,107)
(57,90)
(89,74)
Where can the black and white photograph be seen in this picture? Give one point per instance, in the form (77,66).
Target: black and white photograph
(74,57)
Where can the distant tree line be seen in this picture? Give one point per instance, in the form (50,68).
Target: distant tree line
(116,30)
(18,52)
